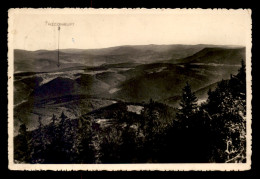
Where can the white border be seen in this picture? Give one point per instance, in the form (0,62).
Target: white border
(128,167)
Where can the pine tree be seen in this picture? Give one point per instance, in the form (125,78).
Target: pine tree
(241,76)
(62,117)
(40,122)
(40,133)
(216,98)
(226,108)
(39,147)
(56,149)
(22,146)
(54,119)
(238,83)
(242,72)
(84,140)
(188,105)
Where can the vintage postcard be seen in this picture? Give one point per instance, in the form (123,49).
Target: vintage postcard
(129,89)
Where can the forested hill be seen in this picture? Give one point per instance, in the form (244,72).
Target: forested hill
(149,132)
(46,60)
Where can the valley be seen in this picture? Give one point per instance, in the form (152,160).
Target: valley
(94,80)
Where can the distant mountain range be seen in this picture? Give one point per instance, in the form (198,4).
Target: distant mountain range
(92,79)
(215,55)
(46,60)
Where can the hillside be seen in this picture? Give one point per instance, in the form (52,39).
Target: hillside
(79,88)
(46,60)
(55,88)
(161,81)
(215,56)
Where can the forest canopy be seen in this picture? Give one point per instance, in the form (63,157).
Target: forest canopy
(213,131)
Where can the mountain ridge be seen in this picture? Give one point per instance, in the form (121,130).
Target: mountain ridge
(46,60)
(81,49)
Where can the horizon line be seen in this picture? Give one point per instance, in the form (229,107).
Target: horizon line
(224,45)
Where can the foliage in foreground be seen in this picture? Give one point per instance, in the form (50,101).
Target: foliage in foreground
(214,131)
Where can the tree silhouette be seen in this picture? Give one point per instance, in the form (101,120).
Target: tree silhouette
(54,119)
(62,117)
(214,131)
(188,105)
(40,122)
(242,72)
(238,82)
(226,108)
(22,152)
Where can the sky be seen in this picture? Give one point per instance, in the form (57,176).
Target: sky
(100,29)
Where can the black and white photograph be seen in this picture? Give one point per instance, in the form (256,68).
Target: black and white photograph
(129,89)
